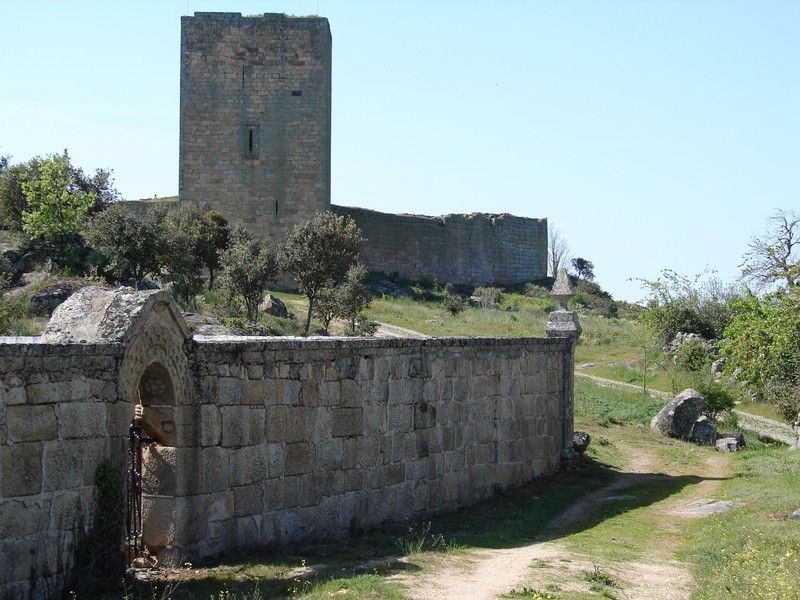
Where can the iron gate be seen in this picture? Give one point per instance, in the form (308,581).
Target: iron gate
(136,441)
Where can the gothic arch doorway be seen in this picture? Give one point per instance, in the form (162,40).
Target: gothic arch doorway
(151,466)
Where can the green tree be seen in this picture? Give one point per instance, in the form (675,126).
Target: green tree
(353,296)
(318,254)
(247,265)
(182,246)
(326,307)
(689,305)
(57,209)
(584,268)
(133,245)
(214,236)
(13,204)
(762,343)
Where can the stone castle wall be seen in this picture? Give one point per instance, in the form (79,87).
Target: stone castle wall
(259,441)
(255,144)
(474,249)
(255,118)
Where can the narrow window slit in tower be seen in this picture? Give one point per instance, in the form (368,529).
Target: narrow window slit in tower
(297,92)
(276,208)
(250,140)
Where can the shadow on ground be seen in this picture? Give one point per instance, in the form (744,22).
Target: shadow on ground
(515,518)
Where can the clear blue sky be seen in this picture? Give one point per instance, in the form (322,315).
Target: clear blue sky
(652,134)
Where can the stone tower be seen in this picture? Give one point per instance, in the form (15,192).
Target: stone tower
(255,118)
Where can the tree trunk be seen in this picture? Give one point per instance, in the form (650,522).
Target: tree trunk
(308,316)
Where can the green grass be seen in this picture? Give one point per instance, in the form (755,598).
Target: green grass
(764,410)
(753,551)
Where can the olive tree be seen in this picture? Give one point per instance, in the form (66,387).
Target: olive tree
(247,265)
(134,245)
(318,254)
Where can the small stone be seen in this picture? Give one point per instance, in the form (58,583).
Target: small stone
(272,305)
(727,444)
(737,435)
(580,441)
(795,516)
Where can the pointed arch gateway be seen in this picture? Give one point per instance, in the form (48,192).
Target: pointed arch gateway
(154,379)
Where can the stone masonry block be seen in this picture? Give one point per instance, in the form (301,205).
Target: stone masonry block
(82,419)
(27,423)
(69,464)
(347,422)
(21,473)
(350,393)
(229,390)
(299,458)
(309,395)
(256,391)
(276,456)
(210,425)
(248,465)
(158,521)
(242,426)
(23,516)
(248,500)
(276,423)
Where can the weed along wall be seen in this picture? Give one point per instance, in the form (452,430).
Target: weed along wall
(252,442)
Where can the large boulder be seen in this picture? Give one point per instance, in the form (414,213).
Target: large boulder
(272,305)
(703,432)
(45,301)
(678,417)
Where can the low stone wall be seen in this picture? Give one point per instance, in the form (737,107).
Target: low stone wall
(59,420)
(257,442)
(303,439)
(476,249)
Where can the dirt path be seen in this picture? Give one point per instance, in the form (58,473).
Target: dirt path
(491,573)
(393,331)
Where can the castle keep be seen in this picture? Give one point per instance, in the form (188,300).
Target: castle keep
(255,118)
(255,144)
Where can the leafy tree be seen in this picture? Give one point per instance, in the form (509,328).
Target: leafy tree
(326,307)
(57,209)
(677,303)
(182,245)
(353,296)
(247,266)
(558,251)
(133,245)
(774,257)
(318,254)
(762,342)
(214,236)
(12,199)
(584,268)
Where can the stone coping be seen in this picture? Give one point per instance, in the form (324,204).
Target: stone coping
(34,346)
(256,343)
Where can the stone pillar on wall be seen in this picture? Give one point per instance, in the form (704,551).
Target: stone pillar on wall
(564,323)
